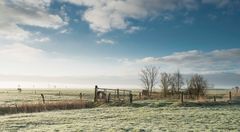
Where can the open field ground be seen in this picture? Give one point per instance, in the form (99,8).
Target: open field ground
(12,97)
(143,115)
(147,118)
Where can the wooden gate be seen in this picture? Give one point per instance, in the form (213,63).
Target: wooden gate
(112,95)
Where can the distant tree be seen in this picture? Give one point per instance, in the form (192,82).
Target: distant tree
(197,86)
(149,77)
(176,82)
(165,82)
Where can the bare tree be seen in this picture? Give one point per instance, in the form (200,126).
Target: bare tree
(165,82)
(149,77)
(197,86)
(176,82)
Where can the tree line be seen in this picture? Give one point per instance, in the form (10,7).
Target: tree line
(171,83)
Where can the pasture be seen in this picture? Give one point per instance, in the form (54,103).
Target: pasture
(146,118)
(141,115)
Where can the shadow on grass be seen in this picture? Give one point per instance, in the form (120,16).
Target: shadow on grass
(167,103)
(209,104)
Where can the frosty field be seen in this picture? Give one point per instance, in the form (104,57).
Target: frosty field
(144,115)
(222,118)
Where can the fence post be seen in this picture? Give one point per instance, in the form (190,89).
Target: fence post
(182,97)
(80,96)
(43,98)
(130,97)
(214,98)
(230,96)
(118,94)
(59,93)
(95,95)
(109,98)
(140,95)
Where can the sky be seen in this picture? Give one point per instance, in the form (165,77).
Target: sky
(82,43)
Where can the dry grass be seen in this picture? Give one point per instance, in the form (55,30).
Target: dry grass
(39,107)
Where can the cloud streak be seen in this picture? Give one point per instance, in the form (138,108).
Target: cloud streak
(14,13)
(105,41)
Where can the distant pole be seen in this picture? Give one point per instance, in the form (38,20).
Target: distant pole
(230,96)
(109,98)
(95,95)
(182,97)
(214,98)
(43,98)
(130,97)
(118,94)
(80,95)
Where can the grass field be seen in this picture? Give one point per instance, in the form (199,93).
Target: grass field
(12,97)
(226,118)
(147,115)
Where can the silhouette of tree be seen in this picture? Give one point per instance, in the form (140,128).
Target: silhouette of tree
(149,77)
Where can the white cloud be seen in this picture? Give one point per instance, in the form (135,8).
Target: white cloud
(133,29)
(197,61)
(107,15)
(65,31)
(14,13)
(42,40)
(105,41)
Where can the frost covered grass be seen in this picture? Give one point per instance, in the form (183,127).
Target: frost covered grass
(221,118)
(12,97)
(143,115)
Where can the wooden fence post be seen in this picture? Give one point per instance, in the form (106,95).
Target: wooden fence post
(43,98)
(118,94)
(230,96)
(59,93)
(95,95)
(182,97)
(130,97)
(109,98)
(214,98)
(80,96)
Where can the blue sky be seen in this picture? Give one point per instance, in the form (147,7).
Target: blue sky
(107,42)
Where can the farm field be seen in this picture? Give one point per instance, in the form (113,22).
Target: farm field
(147,118)
(142,115)
(11,97)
